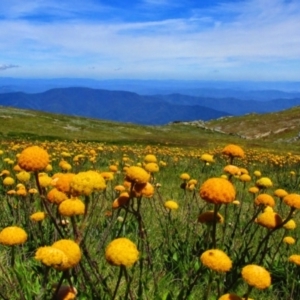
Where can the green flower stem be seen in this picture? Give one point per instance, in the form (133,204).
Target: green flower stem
(63,276)
(214,228)
(128,283)
(246,296)
(118,283)
(12,259)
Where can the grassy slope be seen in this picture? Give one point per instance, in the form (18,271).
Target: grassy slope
(282,128)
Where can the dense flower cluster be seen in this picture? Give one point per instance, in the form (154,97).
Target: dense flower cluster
(269,219)
(170,204)
(71,207)
(232,150)
(33,158)
(38,216)
(292,200)
(137,175)
(13,235)
(121,252)
(216,260)
(256,276)
(55,196)
(265,199)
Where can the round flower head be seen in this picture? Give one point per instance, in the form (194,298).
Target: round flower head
(66,293)
(264,182)
(233,151)
(38,216)
(292,200)
(268,209)
(8,181)
(290,225)
(52,257)
(232,170)
(256,276)
(71,207)
(55,196)
(143,189)
(122,200)
(171,205)
(230,297)
(216,260)
(208,217)
(295,258)
(269,219)
(289,240)
(72,251)
(108,176)
(23,176)
(119,188)
(207,158)
(185,176)
(253,190)
(150,158)
(113,168)
(63,182)
(217,191)
(137,175)
(257,173)
(245,178)
(44,180)
(13,235)
(33,158)
(121,252)
(265,199)
(152,167)
(280,193)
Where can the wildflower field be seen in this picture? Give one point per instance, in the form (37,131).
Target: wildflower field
(95,221)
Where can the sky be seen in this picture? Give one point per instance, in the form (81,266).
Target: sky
(236,40)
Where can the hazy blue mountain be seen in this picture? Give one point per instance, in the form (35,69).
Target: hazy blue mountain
(262,91)
(110,105)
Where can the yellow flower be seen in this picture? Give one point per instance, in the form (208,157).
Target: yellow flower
(71,207)
(107,175)
(207,158)
(121,252)
(217,191)
(290,225)
(264,182)
(170,204)
(38,216)
(232,170)
(13,235)
(256,276)
(150,158)
(33,158)
(269,219)
(230,297)
(265,199)
(63,182)
(23,176)
(208,217)
(292,200)
(44,180)
(143,189)
(113,168)
(245,178)
(295,258)
(66,293)
(185,176)
(216,260)
(8,181)
(280,193)
(121,200)
(257,173)
(152,167)
(289,240)
(253,190)
(233,151)
(137,175)
(72,251)
(55,196)
(52,257)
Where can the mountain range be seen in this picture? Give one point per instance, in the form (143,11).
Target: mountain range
(124,106)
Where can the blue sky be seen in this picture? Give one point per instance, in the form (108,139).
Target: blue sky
(151,39)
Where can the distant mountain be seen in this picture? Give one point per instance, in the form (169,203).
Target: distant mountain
(124,106)
(119,106)
(243,90)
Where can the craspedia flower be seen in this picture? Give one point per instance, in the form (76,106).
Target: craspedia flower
(137,174)
(289,240)
(13,235)
(280,193)
(108,176)
(208,217)
(122,200)
(44,180)
(292,200)
(295,259)
(72,251)
(217,191)
(230,297)
(256,276)
(257,173)
(8,181)
(85,183)
(290,225)
(52,257)
(269,219)
(265,199)
(245,178)
(143,189)
(71,207)
(171,205)
(38,216)
(63,181)
(232,150)
(208,158)
(23,176)
(66,293)
(150,158)
(55,196)
(264,183)
(121,252)
(232,170)
(185,176)
(152,167)
(33,158)
(216,260)
(253,190)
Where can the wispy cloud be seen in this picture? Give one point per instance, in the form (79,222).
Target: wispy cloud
(231,37)
(4,67)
